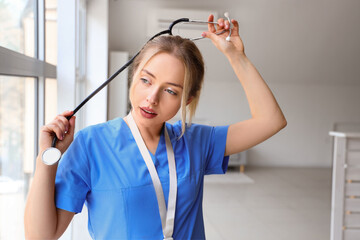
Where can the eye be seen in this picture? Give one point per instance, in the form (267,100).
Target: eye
(144,80)
(171,92)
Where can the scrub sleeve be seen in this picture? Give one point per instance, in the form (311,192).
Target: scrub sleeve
(216,151)
(73,177)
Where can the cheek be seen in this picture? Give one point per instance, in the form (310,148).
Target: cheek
(134,94)
(173,105)
(137,91)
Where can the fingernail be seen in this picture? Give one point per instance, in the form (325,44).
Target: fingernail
(227,26)
(62,137)
(203,34)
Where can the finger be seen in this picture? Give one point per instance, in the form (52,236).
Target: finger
(59,126)
(220,24)
(227,25)
(60,123)
(235,30)
(211,27)
(63,125)
(67,113)
(55,129)
(210,35)
(72,126)
(64,121)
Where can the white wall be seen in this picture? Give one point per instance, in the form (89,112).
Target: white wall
(118,87)
(96,60)
(307,51)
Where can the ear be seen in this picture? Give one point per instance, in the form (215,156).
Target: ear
(189,100)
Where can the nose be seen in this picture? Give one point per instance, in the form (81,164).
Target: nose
(153,97)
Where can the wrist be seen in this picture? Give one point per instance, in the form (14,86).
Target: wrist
(236,58)
(45,170)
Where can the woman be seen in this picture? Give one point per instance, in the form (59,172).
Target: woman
(114,167)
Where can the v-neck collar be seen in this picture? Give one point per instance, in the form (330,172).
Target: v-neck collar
(160,145)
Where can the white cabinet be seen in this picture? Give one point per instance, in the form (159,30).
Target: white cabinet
(345,202)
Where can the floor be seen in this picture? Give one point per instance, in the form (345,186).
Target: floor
(280,203)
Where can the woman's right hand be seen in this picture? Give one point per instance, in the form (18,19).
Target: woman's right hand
(64,130)
(42,219)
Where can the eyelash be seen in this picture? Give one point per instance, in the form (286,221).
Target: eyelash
(171,92)
(145,81)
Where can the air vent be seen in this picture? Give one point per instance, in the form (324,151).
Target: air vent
(160,19)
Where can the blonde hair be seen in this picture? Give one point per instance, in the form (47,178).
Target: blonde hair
(188,53)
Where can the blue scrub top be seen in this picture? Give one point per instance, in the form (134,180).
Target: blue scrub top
(104,169)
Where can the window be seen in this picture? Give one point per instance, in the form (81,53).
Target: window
(51,31)
(50,99)
(17,121)
(50,57)
(27,81)
(17,23)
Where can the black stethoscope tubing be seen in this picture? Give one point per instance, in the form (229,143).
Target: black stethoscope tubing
(168,31)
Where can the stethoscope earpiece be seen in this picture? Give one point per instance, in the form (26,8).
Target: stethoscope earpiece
(226,14)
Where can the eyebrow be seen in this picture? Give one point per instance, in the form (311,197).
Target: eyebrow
(146,71)
(170,83)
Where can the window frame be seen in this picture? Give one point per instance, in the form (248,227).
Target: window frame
(13,63)
(17,64)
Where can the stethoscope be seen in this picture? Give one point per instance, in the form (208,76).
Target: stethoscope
(52,155)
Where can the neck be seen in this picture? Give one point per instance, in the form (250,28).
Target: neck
(150,134)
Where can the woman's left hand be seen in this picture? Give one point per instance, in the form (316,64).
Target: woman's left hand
(234,46)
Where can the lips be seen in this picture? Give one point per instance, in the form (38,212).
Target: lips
(147,112)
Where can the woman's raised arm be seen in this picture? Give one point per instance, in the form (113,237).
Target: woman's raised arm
(267,117)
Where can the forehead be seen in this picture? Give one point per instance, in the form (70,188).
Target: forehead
(165,66)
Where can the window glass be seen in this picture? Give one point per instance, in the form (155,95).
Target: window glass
(17,150)
(50,99)
(51,31)
(17,28)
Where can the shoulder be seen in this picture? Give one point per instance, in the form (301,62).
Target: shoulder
(105,129)
(192,131)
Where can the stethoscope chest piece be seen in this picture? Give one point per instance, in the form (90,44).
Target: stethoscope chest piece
(51,156)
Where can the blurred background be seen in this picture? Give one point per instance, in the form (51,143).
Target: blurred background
(54,53)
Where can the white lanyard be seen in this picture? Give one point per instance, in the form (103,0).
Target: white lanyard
(167,216)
